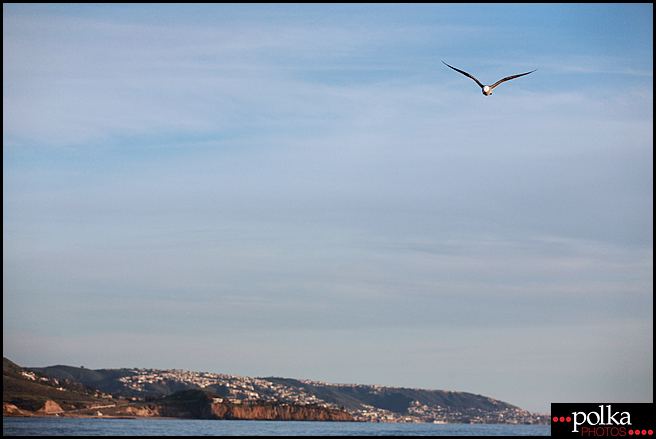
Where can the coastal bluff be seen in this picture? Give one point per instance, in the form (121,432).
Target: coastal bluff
(198,404)
(279,413)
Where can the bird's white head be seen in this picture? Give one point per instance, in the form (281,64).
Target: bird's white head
(486,90)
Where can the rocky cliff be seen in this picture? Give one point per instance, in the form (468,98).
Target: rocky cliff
(278,412)
(11,410)
(198,404)
(50,407)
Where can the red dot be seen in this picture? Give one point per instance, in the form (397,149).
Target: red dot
(630,432)
(562,419)
(555,419)
(650,432)
(644,431)
(637,432)
(568,419)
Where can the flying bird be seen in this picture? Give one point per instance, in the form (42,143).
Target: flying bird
(487,89)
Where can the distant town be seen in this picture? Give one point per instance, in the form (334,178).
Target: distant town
(241,389)
(253,390)
(77,391)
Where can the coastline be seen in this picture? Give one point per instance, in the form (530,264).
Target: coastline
(33,393)
(210,411)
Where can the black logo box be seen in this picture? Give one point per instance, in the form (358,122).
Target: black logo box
(603,419)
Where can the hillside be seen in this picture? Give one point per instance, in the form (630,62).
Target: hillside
(106,380)
(31,391)
(363,402)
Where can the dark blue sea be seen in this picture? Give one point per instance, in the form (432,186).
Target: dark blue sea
(193,427)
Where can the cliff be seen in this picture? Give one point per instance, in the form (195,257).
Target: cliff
(198,404)
(50,407)
(11,410)
(278,412)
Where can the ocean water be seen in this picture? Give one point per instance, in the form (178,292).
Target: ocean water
(194,427)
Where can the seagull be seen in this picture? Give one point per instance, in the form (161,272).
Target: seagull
(487,89)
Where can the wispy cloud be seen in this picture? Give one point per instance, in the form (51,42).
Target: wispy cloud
(269,172)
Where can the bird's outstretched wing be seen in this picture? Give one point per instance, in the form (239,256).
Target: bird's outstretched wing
(508,79)
(477,81)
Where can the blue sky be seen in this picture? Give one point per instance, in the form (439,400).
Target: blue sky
(307,191)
